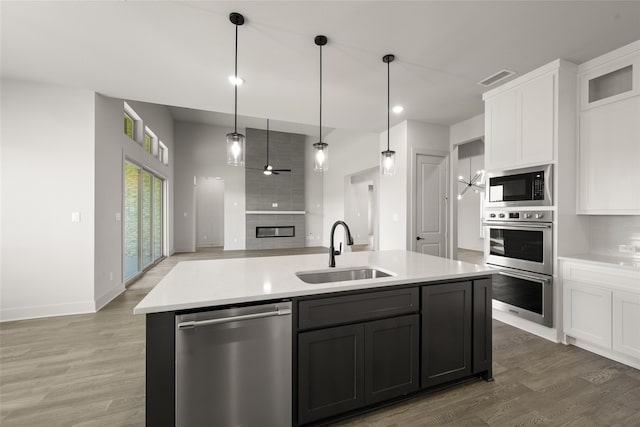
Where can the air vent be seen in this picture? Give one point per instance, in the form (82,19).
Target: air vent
(495,78)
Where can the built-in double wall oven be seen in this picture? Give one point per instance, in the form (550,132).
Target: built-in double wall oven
(520,243)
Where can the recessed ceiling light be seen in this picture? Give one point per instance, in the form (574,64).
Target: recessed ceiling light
(235,80)
(397,109)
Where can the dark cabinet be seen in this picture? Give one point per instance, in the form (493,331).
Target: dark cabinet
(482,328)
(330,372)
(391,358)
(446,332)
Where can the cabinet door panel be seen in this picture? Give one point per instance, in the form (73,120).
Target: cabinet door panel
(537,121)
(609,156)
(588,313)
(626,323)
(391,358)
(330,372)
(446,332)
(501,127)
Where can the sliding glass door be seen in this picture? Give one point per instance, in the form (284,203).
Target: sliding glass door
(143,219)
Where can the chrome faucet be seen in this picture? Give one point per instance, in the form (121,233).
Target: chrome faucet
(332,249)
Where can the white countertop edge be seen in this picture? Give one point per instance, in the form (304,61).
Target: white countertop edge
(343,286)
(603,260)
(214,283)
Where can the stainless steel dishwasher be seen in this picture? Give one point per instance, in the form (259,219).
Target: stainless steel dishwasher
(233,367)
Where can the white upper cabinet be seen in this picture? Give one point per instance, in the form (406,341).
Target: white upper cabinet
(609,134)
(521,120)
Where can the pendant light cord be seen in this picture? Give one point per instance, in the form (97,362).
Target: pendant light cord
(388,103)
(235,111)
(267,142)
(320,93)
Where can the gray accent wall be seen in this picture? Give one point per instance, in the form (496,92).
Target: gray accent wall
(287,190)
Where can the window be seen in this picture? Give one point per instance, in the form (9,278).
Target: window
(163,153)
(150,141)
(128,125)
(143,220)
(132,122)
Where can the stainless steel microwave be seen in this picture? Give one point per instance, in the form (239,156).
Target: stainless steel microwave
(521,187)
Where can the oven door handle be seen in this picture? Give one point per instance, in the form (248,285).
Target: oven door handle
(518,225)
(525,276)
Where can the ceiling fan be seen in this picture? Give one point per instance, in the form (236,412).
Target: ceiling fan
(268,168)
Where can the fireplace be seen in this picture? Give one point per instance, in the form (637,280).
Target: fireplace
(276,231)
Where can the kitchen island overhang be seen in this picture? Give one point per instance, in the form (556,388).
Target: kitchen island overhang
(417,290)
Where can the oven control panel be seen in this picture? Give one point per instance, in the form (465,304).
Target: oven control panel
(523,216)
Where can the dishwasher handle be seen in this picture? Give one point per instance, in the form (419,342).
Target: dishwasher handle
(193,323)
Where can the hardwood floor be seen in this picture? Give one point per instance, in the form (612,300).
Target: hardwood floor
(88,370)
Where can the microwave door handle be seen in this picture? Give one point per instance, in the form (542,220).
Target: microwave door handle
(525,276)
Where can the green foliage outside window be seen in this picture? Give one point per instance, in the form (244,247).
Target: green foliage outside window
(128,126)
(147,143)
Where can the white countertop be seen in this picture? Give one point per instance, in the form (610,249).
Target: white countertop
(209,283)
(605,260)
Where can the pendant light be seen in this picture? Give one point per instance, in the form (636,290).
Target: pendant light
(321,149)
(388,160)
(235,140)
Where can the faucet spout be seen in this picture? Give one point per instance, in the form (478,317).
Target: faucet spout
(332,249)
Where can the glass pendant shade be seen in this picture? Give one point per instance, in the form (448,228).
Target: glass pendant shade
(320,156)
(235,149)
(388,163)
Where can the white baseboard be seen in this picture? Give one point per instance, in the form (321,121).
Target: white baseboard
(108,296)
(550,334)
(604,352)
(39,311)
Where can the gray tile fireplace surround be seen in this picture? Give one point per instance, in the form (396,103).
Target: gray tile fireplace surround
(286,151)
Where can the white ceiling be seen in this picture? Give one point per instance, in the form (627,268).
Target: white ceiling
(181,53)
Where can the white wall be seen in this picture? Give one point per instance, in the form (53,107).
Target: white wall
(467,130)
(357,205)
(349,152)
(113,146)
(47,264)
(313,197)
(209,212)
(200,150)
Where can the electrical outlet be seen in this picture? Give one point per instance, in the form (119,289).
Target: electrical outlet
(629,249)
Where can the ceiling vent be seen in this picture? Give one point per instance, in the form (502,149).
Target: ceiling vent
(497,77)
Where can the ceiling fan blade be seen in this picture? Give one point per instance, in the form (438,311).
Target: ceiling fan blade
(275,173)
(255,169)
(281,170)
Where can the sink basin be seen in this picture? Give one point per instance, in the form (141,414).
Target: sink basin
(340,275)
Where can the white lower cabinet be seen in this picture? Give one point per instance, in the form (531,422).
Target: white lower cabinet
(601,309)
(626,323)
(588,313)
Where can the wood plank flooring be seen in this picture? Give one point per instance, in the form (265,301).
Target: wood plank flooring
(88,370)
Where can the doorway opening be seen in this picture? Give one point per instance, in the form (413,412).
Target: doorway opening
(361,208)
(209,221)
(470,204)
(144,207)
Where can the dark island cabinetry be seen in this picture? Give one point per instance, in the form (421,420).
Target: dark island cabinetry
(357,350)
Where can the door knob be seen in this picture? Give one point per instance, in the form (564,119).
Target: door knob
(419,238)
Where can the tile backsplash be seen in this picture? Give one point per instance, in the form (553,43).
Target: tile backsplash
(608,232)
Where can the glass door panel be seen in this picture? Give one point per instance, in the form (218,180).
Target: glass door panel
(131,220)
(147,182)
(157,218)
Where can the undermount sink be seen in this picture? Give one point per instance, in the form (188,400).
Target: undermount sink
(340,275)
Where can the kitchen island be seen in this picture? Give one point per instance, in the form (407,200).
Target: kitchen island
(355,344)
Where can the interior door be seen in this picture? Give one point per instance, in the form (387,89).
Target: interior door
(431,205)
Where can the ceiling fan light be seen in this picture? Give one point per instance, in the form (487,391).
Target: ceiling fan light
(267,172)
(321,156)
(397,109)
(235,149)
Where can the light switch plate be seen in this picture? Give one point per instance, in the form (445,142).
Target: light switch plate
(75,216)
